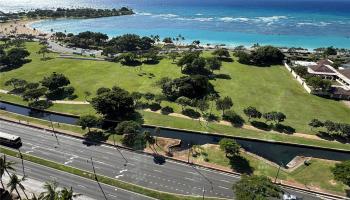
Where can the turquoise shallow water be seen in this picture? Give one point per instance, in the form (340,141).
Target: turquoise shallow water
(298,23)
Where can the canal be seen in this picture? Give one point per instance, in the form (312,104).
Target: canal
(279,153)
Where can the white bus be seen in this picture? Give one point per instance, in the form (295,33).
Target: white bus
(10,140)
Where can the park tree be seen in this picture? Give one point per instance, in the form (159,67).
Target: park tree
(202,105)
(149,96)
(136,96)
(89,121)
(128,58)
(55,81)
(301,71)
(196,86)
(151,56)
(267,55)
(317,83)
(213,63)
(150,139)
(115,104)
(146,43)
(243,57)
(16,83)
(43,50)
(277,117)
(57,84)
(34,94)
(132,135)
(168,40)
(102,90)
(252,112)
(187,59)
(15,57)
(224,104)
(198,66)
(221,53)
(183,101)
(331,127)
(173,55)
(341,172)
(315,123)
(230,147)
(256,187)
(329,51)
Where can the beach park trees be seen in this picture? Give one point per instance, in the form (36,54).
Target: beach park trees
(89,121)
(57,85)
(230,147)
(224,104)
(341,172)
(196,86)
(256,187)
(13,58)
(114,104)
(261,56)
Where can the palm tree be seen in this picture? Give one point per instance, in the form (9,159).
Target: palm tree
(14,182)
(4,167)
(50,191)
(67,194)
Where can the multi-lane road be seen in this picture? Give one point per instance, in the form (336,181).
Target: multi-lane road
(171,176)
(89,189)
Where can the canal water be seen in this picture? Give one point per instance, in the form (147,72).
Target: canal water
(275,152)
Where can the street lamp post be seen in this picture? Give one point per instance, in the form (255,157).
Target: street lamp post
(53,129)
(116,147)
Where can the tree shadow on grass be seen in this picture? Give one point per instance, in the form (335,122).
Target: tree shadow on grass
(327,136)
(46,58)
(261,125)
(133,63)
(240,165)
(283,129)
(94,138)
(222,76)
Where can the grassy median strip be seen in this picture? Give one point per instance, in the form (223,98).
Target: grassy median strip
(103,179)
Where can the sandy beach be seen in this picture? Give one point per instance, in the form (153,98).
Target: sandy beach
(19,27)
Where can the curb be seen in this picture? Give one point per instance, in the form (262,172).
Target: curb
(179,160)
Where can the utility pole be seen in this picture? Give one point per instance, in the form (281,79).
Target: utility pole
(53,129)
(96,179)
(116,147)
(278,171)
(21,156)
(203,192)
(189,151)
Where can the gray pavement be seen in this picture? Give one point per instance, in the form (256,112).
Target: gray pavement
(171,177)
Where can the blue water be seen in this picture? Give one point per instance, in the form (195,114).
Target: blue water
(298,23)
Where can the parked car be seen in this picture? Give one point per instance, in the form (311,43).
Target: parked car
(290,197)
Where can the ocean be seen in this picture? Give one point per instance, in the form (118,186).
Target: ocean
(290,23)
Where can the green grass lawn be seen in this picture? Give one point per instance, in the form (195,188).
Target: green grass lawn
(317,174)
(268,89)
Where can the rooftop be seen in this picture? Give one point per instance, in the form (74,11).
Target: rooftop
(345,72)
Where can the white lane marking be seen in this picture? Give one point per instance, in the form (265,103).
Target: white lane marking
(223,187)
(112,195)
(82,186)
(157,171)
(225,181)
(189,179)
(118,176)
